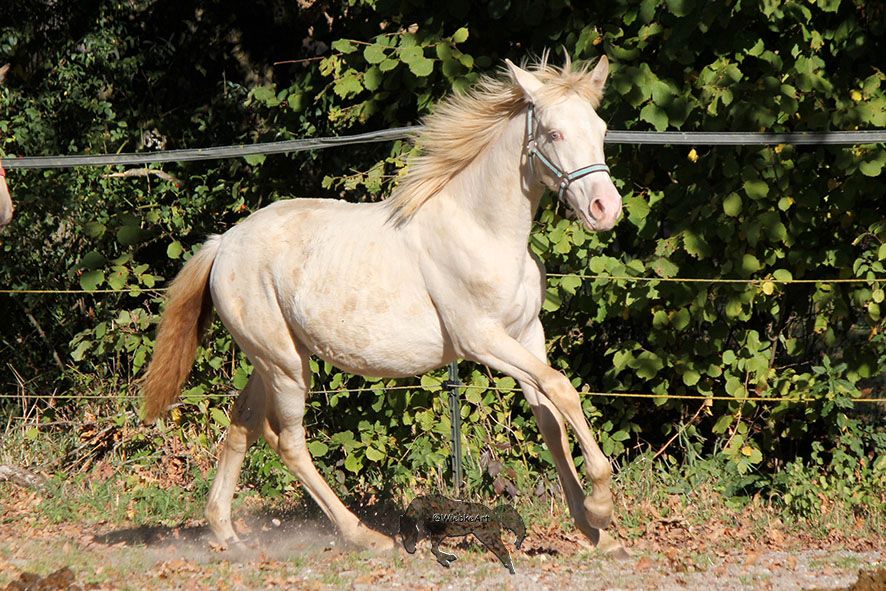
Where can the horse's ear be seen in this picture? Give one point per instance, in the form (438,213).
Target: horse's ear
(600,72)
(525,80)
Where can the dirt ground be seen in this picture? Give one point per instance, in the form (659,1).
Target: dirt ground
(295,551)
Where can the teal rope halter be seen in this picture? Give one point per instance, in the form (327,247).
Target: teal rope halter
(564,179)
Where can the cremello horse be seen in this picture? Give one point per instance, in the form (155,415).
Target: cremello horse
(440,270)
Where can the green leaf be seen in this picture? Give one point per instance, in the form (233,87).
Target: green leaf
(374,54)
(655,115)
(422,67)
(664,268)
(372,78)
(757,48)
(240,379)
(348,85)
(648,364)
(735,388)
(117,279)
(353,463)
(782,275)
(373,455)
(570,283)
(254,159)
(691,377)
(318,449)
(387,65)
(94,229)
(620,435)
(733,308)
(296,101)
(750,264)
(265,94)
(696,245)
(681,319)
(732,205)
(129,234)
(91,280)
(344,46)
(411,54)
(756,189)
(871,168)
(174,250)
(80,351)
(722,424)
(219,417)
(460,36)
(552,300)
(92,260)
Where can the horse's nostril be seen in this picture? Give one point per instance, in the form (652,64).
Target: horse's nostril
(598,210)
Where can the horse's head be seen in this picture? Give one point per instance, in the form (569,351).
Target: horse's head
(565,139)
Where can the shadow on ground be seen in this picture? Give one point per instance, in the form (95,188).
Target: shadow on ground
(303,529)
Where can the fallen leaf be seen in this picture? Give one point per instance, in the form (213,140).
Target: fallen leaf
(645,563)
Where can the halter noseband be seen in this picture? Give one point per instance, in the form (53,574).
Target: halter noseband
(564,179)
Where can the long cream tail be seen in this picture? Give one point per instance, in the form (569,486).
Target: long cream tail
(188,312)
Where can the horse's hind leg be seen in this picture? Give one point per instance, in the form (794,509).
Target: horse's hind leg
(284,430)
(246,423)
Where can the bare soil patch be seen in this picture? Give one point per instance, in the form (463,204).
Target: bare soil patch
(297,549)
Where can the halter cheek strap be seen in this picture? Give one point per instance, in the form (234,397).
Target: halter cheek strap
(564,179)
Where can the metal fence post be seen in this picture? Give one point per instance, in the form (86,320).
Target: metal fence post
(453,384)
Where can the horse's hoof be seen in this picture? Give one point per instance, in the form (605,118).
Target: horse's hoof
(611,547)
(599,511)
(237,545)
(371,540)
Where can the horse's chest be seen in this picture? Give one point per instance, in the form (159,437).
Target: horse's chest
(523,309)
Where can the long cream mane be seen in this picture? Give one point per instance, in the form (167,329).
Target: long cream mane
(462,126)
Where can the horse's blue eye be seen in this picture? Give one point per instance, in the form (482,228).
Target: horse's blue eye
(556,136)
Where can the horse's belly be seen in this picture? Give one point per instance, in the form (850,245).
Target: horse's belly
(361,339)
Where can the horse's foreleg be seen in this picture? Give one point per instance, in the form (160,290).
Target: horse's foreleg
(507,355)
(553,430)
(246,421)
(287,435)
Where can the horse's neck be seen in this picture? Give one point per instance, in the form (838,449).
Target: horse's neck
(496,192)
